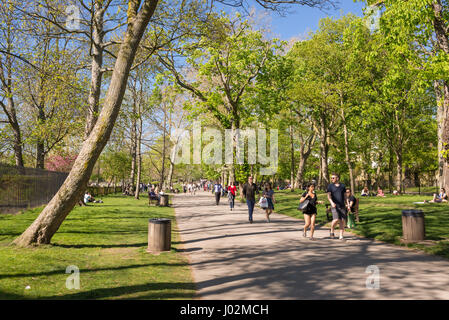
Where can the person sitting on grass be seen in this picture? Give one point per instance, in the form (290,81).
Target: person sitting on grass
(153,195)
(441,197)
(365,192)
(380,193)
(88,198)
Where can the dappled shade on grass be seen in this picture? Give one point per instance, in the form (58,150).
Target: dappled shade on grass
(107,242)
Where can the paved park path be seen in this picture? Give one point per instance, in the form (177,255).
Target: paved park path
(232,259)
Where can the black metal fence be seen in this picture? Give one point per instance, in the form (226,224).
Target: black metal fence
(23,188)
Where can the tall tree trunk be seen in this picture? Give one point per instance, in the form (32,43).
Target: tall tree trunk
(10,111)
(442,97)
(40,147)
(399,183)
(48,222)
(324,152)
(97,63)
(164,146)
(347,158)
(139,158)
(305,150)
(40,157)
(170,174)
(390,170)
(320,171)
(132,175)
(17,144)
(292,161)
(7,83)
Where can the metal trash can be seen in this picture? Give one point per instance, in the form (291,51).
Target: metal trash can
(413,228)
(163,202)
(159,235)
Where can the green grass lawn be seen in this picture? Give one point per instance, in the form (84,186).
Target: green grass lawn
(107,242)
(381,218)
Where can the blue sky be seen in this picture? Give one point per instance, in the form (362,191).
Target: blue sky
(305,19)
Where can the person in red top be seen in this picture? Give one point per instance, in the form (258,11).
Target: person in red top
(232,189)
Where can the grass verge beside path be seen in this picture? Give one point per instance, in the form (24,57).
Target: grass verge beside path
(107,242)
(381,218)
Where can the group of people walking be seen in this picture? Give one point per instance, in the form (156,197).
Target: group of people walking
(342,203)
(250,189)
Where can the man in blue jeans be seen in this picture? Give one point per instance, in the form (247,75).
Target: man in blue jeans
(217,189)
(249,192)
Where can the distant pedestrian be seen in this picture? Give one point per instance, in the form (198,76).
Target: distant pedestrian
(217,189)
(336,193)
(268,193)
(310,212)
(232,189)
(249,192)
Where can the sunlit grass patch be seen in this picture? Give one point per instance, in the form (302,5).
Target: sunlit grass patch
(107,242)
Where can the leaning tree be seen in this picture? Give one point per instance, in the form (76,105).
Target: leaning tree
(139,13)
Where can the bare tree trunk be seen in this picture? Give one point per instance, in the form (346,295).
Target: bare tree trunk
(347,158)
(324,152)
(320,172)
(41,118)
(292,161)
(48,222)
(399,183)
(442,38)
(40,155)
(305,150)
(139,157)
(10,112)
(6,80)
(390,170)
(97,63)
(231,173)
(132,175)
(442,95)
(170,174)
(164,146)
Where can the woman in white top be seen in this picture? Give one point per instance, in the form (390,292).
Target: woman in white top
(441,197)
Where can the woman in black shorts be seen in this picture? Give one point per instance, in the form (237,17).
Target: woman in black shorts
(269,194)
(310,212)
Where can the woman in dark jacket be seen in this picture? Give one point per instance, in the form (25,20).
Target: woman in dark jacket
(310,212)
